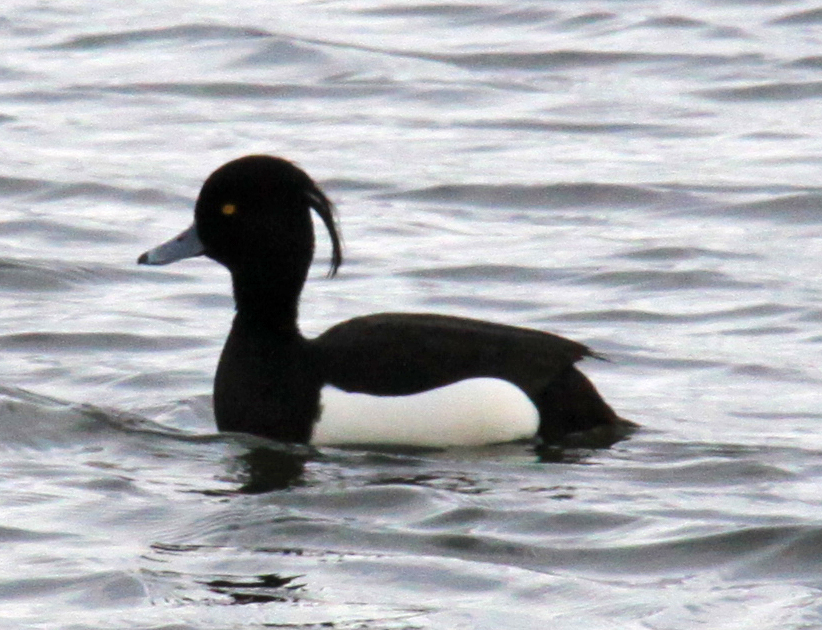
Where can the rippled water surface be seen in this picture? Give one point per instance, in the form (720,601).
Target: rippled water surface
(640,176)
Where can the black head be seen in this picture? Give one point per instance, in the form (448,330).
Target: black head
(253,216)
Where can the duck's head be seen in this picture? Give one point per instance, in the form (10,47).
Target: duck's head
(253,216)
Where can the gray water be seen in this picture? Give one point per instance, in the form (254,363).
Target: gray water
(639,176)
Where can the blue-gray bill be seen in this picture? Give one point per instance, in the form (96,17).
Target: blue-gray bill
(185,245)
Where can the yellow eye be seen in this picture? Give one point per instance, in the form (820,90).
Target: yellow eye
(229,209)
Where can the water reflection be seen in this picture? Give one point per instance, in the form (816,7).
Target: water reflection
(269,468)
(575,447)
(259,589)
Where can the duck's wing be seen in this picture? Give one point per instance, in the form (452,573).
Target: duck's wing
(391,354)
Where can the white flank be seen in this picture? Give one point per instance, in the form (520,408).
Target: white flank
(469,413)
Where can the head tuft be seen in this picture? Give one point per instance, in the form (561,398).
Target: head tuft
(325,209)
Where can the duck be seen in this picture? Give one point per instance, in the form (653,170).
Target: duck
(419,379)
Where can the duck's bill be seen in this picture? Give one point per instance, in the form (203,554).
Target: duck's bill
(185,245)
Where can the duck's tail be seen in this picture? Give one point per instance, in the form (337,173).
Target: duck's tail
(571,404)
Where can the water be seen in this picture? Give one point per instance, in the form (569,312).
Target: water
(639,176)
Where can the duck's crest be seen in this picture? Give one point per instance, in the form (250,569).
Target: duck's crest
(323,207)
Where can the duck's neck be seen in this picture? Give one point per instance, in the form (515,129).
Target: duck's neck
(268,304)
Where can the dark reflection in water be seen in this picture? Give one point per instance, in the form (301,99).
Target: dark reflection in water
(279,467)
(266,469)
(574,448)
(260,589)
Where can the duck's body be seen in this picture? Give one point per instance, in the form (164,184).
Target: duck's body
(253,216)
